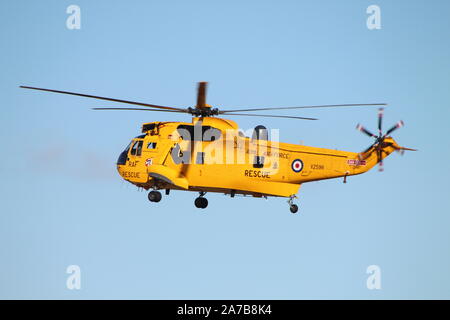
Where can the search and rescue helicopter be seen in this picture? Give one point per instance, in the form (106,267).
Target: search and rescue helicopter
(212,154)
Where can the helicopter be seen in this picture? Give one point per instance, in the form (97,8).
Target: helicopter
(211,154)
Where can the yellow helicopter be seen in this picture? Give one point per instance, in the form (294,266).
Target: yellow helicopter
(211,154)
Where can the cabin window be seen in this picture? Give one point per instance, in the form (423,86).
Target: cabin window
(211,134)
(200,158)
(260,133)
(258,162)
(207,133)
(151,145)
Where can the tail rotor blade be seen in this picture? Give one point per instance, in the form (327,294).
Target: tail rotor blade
(380,121)
(365,154)
(367,150)
(397,126)
(364,130)
(380,159)
(201,95)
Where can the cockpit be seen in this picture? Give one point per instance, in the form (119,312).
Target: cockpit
(136,146)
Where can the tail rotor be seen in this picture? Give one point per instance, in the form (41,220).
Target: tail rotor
(380,143)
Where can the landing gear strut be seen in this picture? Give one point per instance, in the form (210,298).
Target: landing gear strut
(293,207)
(154,196)
(201,202)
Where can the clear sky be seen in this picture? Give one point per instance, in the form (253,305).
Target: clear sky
(63,203)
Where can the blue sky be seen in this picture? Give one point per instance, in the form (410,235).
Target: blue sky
(63,202)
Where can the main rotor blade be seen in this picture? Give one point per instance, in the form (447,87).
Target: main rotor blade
(201,94)
(105,98)
(395,127)
(364,130)
(307,107)
(270,116)
(139,109)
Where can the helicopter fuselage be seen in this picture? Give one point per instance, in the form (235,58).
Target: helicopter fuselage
(213,155)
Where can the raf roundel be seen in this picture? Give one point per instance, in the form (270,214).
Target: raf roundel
(297,165)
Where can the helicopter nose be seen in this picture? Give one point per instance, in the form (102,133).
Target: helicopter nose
(122,158)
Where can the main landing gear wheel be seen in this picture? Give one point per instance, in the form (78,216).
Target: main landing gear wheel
(154,196)
(293,208)
(201,202)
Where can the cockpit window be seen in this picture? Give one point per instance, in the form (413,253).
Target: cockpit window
(136,150)
(151,145)
(123,155)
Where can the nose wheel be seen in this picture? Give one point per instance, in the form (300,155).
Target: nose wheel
(201,202)
(292,206)
(154,196)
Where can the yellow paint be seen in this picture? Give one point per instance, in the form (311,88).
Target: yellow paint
(156,167)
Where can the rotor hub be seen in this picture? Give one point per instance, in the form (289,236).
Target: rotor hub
(203,112)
